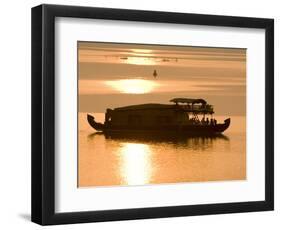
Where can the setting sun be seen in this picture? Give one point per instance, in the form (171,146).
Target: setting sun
(133,86)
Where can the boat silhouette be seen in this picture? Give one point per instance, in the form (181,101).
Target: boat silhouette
(181,117)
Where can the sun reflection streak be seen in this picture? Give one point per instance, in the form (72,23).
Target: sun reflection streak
(140,61)
(132,86)
(141,51)
(136,166)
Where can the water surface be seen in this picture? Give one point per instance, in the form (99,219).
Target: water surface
(135,160)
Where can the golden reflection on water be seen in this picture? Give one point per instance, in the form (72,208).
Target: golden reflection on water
(132,86)
(153,159)
(136,168)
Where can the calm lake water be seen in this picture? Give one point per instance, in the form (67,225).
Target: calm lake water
(105,161)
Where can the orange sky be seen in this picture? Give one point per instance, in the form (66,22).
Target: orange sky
(112,75)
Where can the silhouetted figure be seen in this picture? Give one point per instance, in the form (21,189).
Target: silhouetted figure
(215,121)
(154,73)
(212,121)
(207,121)
(203,121)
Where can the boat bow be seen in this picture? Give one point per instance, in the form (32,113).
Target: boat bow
(96,125)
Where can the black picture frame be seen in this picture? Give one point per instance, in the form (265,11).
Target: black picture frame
(43,114)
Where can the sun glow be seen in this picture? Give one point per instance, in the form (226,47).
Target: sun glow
(140,61)
(133,86)
(141,51)
(136,169)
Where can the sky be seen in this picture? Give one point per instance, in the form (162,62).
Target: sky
(111,75)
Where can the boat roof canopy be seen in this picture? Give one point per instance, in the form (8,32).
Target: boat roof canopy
(189,101)
(205,109)
(145,106)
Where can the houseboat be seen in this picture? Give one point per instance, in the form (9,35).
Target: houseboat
(181,116)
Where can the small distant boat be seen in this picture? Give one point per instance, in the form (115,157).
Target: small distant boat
(181,117)
(154,73)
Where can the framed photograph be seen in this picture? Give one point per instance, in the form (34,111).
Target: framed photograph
(142,114)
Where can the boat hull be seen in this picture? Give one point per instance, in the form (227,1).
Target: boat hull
(176,129)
